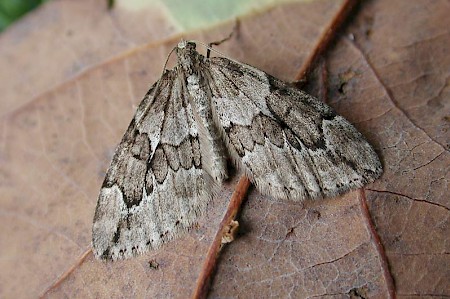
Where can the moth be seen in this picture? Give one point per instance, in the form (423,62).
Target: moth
(173,157)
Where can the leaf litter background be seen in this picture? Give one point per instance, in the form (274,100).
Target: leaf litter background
(71,76)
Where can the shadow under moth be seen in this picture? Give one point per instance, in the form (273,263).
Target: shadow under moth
(173,157)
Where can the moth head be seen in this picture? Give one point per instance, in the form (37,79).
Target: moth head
(182,44)
(185,45)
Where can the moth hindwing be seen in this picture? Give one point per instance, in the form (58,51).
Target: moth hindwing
(173,155)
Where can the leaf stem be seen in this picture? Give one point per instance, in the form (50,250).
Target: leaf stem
(209,266)
(389,280)
(327,38)
(66,274)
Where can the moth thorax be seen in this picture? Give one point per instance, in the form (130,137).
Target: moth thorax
(188,58)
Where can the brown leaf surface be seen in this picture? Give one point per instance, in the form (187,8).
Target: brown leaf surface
(403,50)
(72,37)
(391,83)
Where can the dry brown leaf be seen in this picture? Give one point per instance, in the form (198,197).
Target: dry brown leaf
(65,37)
(401,53)
(391,83)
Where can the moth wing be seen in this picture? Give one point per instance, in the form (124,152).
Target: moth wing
(290,144)
(155,186)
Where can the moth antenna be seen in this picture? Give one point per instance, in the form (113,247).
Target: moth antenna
(215,51)
(216,43)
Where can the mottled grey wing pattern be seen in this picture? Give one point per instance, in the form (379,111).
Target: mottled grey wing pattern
(155,186)
(172,158)
(290,144)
